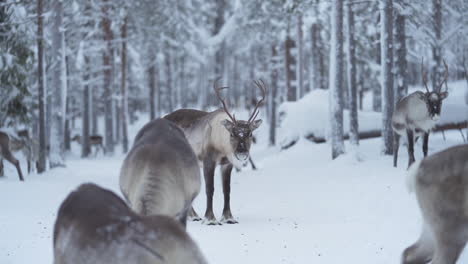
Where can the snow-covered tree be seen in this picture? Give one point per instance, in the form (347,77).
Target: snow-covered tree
(336,80)
(352,74)
(386,42)
(16,58)
(59,87)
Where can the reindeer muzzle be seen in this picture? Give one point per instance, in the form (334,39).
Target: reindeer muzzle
(241,156)
(435,117)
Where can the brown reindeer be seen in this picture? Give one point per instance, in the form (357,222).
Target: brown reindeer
(5,152)
(218,138)
(440,182)
(416,114)
(95,141)
(160,174)
(95,226)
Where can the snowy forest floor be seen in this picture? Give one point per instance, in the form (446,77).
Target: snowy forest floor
(299,207)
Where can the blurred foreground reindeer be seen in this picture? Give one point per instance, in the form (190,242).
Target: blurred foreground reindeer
(218,138)
(416,114)
(95,226)
(440,182)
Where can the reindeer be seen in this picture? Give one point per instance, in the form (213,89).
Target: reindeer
(416,114)
(94,140)
(5,152)
(218,138)
(440,182)
(160,174)
(94,225)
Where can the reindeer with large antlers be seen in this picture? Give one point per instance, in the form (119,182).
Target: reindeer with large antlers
(219,138)
(416,114)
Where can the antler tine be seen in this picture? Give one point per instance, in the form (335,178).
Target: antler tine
(217,92)
(424,75)
(261,85)
(445,76)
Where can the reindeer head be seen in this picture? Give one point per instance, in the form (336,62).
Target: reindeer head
(240,130)
(434,98)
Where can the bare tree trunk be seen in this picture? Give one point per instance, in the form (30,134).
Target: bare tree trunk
(95,102)
(352,85)
(107,62)
(315,64)
(169,90)
(290,69)
(274,92)
(59,84)
(41,165)
(123,88)
(436,48)
(336,80)
(400,55)
(386,35)
(152,90)
(87,102)
(377,89)
(300,58)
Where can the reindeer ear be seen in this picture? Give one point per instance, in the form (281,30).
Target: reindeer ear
(227,124)
(443,95)
(255,124)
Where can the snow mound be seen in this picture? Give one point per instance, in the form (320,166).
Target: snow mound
(309,117)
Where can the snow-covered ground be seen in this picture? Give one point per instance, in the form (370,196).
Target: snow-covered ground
(299,207)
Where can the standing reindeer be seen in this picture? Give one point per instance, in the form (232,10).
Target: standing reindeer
(95,226)
(5,153)
(440,182)
(218,138)
(94,140)
(416,114)
(160,174)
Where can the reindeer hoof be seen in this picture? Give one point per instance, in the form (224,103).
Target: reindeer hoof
(229,220)
(210,222)
(195,218)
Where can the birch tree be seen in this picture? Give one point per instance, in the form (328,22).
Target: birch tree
(59,86)
(352,85)
(336,79)
(107,64)
(386,41)
(123,87)
(41,165)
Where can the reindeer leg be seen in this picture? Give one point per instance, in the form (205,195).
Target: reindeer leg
(208,170)
(409,134)
(193,216)
(425,143)
(8,156)
(1,167)
(396,147)
(448,249)
(422,251)
(252,163)
(226,174)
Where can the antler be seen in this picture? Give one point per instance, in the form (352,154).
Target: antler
(261,85)
(217,91)
(439,88)
(424,75)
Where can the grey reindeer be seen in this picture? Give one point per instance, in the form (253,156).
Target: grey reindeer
(160,174)
(94,225)
(218,138)
(6,147)
(440,182)
(417,114)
